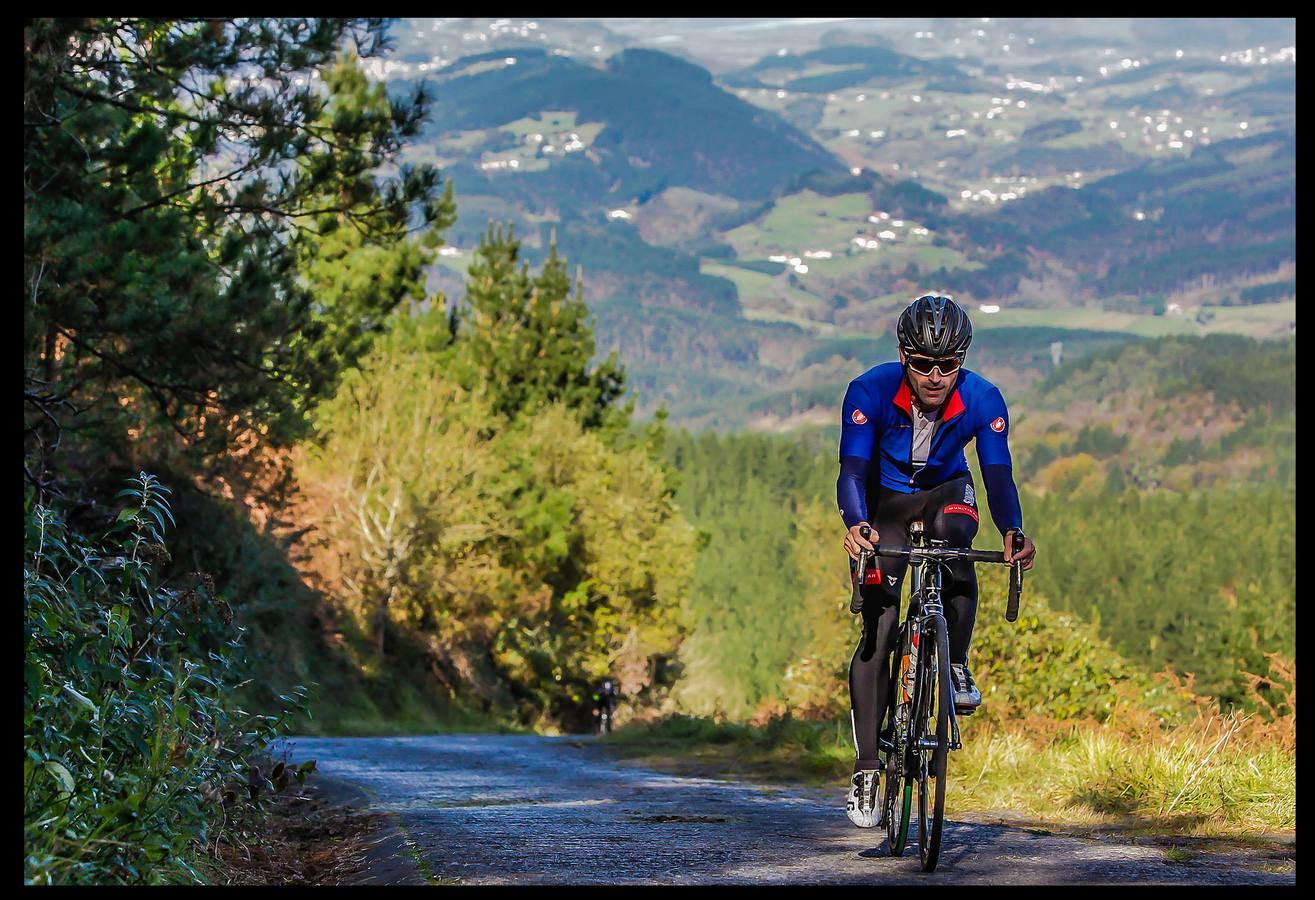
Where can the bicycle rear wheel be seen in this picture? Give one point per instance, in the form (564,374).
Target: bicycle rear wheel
(932,729)
(898,799)
(899,804)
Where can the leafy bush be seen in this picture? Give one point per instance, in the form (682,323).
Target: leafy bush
(528,556)
(135,756)
(1203,581)
(1052,665)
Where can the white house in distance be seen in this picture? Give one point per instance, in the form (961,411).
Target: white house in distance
(989,308)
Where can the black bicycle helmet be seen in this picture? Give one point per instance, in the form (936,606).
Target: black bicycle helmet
(934,325)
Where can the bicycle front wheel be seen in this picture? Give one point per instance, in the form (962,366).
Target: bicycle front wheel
(932,718)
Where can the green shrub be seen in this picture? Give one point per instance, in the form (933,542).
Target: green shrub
(528,562)
(135,757)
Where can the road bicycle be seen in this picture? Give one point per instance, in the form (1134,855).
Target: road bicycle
(603,714)
(921,721)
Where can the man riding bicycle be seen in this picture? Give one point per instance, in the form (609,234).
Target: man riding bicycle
(605,703)
(904,429)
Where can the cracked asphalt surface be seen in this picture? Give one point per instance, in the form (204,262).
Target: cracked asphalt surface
(524,809)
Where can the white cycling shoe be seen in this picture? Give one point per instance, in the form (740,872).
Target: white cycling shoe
(863,804)
(966,695)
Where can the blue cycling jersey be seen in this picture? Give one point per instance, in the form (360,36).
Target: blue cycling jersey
(877,424)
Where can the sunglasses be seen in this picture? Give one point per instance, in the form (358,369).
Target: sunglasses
(923,364)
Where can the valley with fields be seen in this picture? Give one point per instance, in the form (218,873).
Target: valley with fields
(1080,175)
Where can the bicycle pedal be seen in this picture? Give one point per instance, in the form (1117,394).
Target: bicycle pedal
(964,710)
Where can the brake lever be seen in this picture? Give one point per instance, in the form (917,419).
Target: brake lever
(1015,580)
(863,555)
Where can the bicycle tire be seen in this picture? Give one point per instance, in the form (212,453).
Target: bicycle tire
(922,708)
(898,799)
(933,763)
(899,806)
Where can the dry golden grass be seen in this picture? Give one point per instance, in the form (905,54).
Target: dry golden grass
(1214,775)
(1220,775)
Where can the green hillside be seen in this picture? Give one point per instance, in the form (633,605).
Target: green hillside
(1173,412)
(1227,212)
(664,123)
(1158,481)
(731,229)
(841,66)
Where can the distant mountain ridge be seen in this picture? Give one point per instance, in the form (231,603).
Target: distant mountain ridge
(728,247)
(863,63)
(1228,209)
(665,124)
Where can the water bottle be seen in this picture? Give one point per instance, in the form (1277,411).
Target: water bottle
(908,666)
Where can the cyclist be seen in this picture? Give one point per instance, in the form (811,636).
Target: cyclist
(904,428)
(605,701)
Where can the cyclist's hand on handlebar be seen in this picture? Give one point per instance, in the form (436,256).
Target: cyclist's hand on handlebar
(1025,556)
(854,541)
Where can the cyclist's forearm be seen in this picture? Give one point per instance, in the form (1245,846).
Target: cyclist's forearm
(851,490)
(1002,497)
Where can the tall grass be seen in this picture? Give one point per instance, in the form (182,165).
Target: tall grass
(1205,778)
(1215,776)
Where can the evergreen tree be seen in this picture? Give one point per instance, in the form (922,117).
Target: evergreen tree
(355,280)
(169,167)
(528,560)
(530,343)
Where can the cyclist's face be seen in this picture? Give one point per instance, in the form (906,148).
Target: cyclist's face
(930,390)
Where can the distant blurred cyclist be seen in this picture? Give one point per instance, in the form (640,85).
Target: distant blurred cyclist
(904,428)
(604,705)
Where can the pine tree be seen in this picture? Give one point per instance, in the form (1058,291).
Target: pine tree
(529,342)
(170,166)
(356,281)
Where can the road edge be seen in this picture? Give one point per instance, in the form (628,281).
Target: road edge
(390,860)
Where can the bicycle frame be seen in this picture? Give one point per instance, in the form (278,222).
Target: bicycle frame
(925,604)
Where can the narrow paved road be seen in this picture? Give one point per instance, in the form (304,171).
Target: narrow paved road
(499,809)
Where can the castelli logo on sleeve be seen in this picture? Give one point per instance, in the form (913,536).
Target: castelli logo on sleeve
(999,424)
(859,418)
